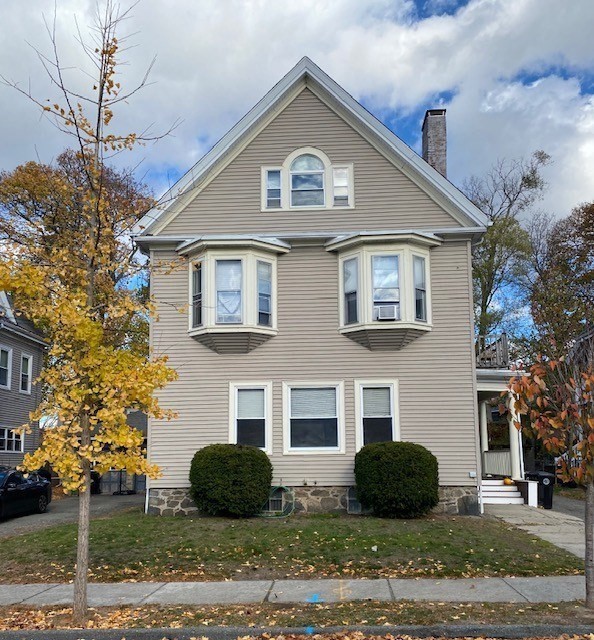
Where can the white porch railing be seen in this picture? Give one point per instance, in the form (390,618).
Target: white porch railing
(497,463)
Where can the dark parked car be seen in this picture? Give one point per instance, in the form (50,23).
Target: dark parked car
(20,494)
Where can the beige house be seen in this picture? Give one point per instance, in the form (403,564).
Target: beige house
(313,278)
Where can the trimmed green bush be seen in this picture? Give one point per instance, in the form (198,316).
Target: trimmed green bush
(230,480)
(396,479)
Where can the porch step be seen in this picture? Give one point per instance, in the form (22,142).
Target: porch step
(495,483)
(501,494)
(503,488)
(502,500)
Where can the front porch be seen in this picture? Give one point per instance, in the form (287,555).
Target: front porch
(501,449)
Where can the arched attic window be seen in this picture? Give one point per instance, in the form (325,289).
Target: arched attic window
(307,181)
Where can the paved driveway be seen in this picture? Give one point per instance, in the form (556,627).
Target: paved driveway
(563,530)
(66,510)
(569,507)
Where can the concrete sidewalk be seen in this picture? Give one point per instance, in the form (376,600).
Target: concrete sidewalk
(561,529)
(544,589)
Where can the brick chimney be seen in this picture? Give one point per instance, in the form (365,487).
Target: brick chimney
(434,139)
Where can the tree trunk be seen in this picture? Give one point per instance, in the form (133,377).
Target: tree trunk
(79,611)
(589,564)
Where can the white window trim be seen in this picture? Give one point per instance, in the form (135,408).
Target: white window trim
(296,451)
(233,389)
(30,359)
(425,256)
(392,384)
(285,183)
(9,372)
(22,436)
(249,292)
(405,255)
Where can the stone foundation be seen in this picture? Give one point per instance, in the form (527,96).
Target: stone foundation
(314,499)
(170,502)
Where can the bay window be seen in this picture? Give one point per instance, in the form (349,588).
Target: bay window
(232,293)
(385,287)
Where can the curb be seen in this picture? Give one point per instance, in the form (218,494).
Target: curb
(231,633)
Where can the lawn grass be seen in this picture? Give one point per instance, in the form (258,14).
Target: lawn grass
(135,547)
(317,616)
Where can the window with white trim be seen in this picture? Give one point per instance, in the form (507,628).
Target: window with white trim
(250,408)
(351,289)
(11,441)
(26,373)
(313,418)
(231,290)
(386,288)
(196,294)
(5,367)
(420,282)
(228,291)
(383,287)
(307,180)
(264,276)
(273,189)
(376,411)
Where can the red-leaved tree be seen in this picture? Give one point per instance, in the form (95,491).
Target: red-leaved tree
(558,398)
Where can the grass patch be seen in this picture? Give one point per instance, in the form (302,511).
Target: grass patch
(310,615)
(135,547)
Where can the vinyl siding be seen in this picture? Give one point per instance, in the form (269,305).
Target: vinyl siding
(435,372)
(384,197)
(14,406)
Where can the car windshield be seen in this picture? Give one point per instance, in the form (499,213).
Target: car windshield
(3,475)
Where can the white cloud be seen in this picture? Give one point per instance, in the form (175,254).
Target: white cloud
(216,58)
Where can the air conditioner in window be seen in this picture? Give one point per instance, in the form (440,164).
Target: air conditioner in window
(387,312)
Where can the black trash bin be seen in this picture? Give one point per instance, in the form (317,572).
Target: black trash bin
(95,483)
(546,483)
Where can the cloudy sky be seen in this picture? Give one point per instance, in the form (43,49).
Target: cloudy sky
(514,75)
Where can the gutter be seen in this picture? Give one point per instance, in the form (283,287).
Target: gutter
(23,333)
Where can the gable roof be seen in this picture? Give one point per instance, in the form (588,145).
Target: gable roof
(305,71)
(15,323)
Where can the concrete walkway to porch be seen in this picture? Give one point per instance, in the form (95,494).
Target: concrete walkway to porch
(561,529)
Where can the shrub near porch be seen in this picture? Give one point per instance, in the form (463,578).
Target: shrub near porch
(136,547)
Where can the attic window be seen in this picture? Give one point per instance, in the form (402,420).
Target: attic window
(307,179)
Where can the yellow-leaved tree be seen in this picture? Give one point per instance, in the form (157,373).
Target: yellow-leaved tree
(70,272)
